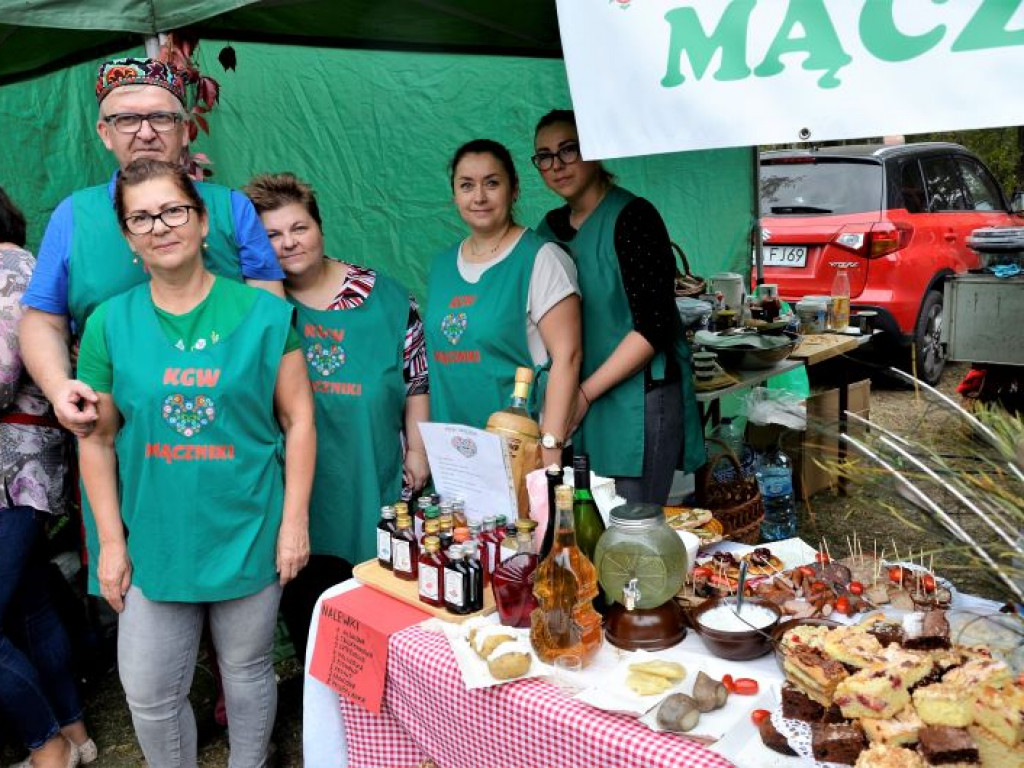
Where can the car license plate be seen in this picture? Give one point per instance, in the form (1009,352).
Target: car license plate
(784,255)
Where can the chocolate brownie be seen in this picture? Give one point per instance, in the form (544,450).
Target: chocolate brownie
(942,745)
(837,743)
(796,705)
(886,632)
(774,740)
(933,632)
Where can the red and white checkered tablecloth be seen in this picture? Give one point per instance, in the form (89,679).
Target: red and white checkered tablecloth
(526,724)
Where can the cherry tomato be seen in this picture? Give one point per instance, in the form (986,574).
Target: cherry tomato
(821,557)
(843,605)
(807,570)
(703,572)
(745,686)
(929,583)
(729,684)
(795,638)
(896,575)
(760,715)
(856,588)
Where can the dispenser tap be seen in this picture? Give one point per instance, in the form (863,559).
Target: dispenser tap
(631,594)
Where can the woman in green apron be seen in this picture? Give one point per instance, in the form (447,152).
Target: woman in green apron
(637,413)
(500,298)
(201,385)
(367,360)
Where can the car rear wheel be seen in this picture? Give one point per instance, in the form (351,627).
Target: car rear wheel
(930,351)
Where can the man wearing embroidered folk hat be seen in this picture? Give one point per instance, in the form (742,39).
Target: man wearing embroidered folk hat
(84,259)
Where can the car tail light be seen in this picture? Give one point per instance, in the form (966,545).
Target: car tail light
(887,237)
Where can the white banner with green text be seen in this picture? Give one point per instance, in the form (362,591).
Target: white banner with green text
(651,76)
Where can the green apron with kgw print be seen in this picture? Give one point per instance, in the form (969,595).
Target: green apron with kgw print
(199,453)
(476,334)
(101,264)
(613,430)
(355,361)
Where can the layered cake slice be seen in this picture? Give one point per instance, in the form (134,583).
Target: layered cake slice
(994,753)
(837,742)
(899,731)
(944,704)
(872,692)
(883,756)
(1001,711)
(814,674)
(942,745)
(977,672)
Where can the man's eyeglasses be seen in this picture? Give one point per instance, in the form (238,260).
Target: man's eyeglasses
(143,223)
(129,122)
(545,161)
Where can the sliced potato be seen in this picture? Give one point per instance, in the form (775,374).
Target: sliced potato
(644,684)
(670,670)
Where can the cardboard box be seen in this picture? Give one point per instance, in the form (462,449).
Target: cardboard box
(820,443)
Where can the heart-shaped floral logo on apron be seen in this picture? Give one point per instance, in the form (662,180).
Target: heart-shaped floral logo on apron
(453,326)
(189,415)
(324,360)
(465,446)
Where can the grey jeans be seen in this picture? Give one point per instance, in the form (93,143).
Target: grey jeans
(663,439)
(156,654)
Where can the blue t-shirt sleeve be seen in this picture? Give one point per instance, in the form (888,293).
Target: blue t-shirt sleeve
(256,254)
(48,289)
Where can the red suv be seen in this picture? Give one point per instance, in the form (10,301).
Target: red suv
(896,217)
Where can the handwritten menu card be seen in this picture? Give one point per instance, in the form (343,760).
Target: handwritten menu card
(351,650)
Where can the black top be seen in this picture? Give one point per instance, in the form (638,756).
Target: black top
(648,268)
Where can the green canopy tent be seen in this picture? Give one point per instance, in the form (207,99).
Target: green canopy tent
(365,100)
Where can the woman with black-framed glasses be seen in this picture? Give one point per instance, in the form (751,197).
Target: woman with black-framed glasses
(637,413)
(201,388)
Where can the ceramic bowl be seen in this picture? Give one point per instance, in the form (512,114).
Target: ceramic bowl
(741,645)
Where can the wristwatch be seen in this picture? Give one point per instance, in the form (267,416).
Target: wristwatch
(548,440)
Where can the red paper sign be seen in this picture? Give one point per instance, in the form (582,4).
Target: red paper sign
(351,650)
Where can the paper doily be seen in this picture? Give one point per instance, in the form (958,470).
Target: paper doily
(798,734)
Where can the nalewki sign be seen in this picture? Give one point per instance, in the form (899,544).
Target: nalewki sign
(650,76)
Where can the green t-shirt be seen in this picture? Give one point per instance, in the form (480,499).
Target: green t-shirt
(212,319)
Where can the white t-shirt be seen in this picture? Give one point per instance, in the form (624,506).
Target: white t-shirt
(553,278)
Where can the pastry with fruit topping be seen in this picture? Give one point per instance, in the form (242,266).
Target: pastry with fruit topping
(873,692)
(852,646)
(911,666)
(944,704)
(884,756)
(814,674)
(977,672)
(837,742)
(993,751)
(900,730)
(1001,711)
(942,745)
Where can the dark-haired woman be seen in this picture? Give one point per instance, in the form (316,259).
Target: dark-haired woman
(500,298)
(200,379)
(366,356)
(637,414)
(38,696)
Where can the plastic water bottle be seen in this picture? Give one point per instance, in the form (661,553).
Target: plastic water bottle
(775,478)
(731,433)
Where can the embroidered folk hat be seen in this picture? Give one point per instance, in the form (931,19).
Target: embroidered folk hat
(131,71)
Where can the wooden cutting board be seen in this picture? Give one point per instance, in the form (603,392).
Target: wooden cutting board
(823,346)
(374,576)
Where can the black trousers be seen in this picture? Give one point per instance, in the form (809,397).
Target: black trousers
(300,595)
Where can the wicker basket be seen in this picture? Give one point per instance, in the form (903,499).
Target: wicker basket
(687,284)
(736,504)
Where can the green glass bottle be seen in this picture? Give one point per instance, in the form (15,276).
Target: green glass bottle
(586,517)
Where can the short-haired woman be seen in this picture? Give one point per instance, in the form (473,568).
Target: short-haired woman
(202,383)
(367,360)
